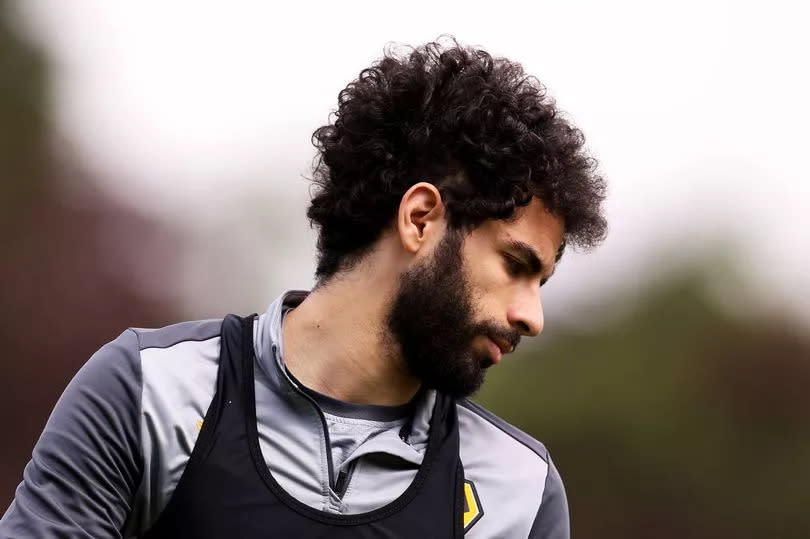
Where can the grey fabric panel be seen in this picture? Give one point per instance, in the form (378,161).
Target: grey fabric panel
(290,434)
(508,470)
(291,440)
(269,332)
(420,424)
(388,441)
(552,520)
(200,330)
(378,479)
(179,382)
(508,428)
(368,412)
(348,435)
(86,466)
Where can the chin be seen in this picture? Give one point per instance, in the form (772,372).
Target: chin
(468,379)
(485,362)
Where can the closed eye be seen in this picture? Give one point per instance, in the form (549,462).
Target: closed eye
(515,266)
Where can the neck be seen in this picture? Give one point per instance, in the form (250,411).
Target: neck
(336,342)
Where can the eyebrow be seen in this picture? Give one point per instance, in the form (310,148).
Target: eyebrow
(530,257)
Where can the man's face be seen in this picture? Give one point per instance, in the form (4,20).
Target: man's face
(469,302)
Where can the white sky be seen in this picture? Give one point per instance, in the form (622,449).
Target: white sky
(200,113)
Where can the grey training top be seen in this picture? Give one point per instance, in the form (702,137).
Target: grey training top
(119,438)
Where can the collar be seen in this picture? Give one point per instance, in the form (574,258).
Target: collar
(269,349)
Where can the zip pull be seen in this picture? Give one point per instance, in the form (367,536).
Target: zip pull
(343,479)
(340,483)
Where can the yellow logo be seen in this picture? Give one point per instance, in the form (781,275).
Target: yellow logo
(472,506)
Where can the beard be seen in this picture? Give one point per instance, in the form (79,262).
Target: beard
(432,319)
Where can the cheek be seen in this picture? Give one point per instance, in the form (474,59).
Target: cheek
(481,285)
(486,290)
(484,269)
(490,280)
(487,279)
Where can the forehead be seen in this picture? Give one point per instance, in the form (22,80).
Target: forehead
(533,224)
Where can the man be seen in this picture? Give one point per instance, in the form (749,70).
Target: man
(448,186)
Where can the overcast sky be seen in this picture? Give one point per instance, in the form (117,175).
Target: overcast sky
(197,112)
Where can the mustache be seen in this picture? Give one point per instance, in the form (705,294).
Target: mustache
(510,336)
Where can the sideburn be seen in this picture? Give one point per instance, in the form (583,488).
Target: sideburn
(431,319)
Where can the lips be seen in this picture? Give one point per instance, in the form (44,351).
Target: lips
(497,348)
(504,346)
(495,353)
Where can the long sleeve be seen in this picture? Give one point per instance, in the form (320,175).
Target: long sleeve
(86,466)
(552,520)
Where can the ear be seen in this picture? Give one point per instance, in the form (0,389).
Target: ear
(420,218)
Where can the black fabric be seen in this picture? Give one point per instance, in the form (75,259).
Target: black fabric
(227,491)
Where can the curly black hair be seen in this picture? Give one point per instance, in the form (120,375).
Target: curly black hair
(480,129)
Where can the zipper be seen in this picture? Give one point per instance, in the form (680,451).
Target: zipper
(325,429)
(329,465)
(338,484)
(344,478)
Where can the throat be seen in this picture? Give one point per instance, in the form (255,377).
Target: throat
(348,358)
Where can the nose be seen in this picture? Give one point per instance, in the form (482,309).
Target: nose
(526,314)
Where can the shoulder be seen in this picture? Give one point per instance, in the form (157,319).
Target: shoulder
(183,332)
(510,473)
(493,447)
(177,360)
(115,372)
(179,365)
(123,427)
(479,421)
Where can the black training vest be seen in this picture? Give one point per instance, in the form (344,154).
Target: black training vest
(227,491)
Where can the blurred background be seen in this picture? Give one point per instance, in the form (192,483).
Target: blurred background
(672,381)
